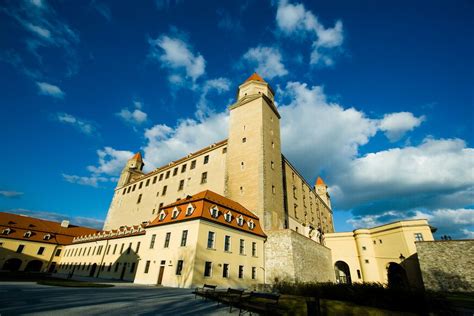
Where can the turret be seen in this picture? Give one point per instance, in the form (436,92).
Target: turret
(133,168)
(255,85)
(322,190)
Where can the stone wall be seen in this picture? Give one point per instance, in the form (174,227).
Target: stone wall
(447,265)
(292,257)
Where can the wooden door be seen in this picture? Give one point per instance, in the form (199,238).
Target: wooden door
(160,275)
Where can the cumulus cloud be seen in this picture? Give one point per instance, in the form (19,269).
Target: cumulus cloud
(176,55)
(57,217)
(92,181)
(111,161)
(45,88)
(11,194)
(81,125)
(218,85)
(267,60)
(294,19)
(395,125)
(134,116)
(165,143)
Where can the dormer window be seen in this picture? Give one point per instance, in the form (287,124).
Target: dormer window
(27,234)
(175,213)
(240,220)
(162,216)
(189,209)
(6,231)
(228,217)
(47,237)
(251,224)
(214,211)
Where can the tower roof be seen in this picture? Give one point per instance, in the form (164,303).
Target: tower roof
(255,76)
(320,181)
(137,156)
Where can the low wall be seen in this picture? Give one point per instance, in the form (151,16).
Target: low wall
(447,265)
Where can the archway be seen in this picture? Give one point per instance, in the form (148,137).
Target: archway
(34,266)
(343,273)
(12,264)
(91,273)
(396,275)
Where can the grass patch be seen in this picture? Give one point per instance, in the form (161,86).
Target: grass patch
(72,283)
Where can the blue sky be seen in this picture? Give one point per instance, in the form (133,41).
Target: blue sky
(382,94)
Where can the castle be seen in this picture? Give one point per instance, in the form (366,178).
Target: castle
(236,213)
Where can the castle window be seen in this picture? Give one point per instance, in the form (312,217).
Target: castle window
(272,165)
(153,211)
(251,224)
(152,241)
(244,140)
(242,247)
(296,228)
(240,220)
(359,275)
(162,216)
(228,217)
(129,248)
(121,248)
(244,127)
(224,150)
(129,188)
(227,243)
(380,241)
(364,248)
(214,211)
(273,145)
(133,188)
(207,269)
(147,182)
(140,185)
(184,238)
(204,177)
(20,248)
(154,179)
(418,237)
(210,240)
(58,252)
(273,189)
(160,206)
(27,234)
(167,174)
(147,266)
(189,209)
(6,231)
(375,242)
(225,270)
(179,267)
(254,249)
(295,206)
(181,185)
(175,213)
(254,273)
(294,192)
(161,177)
(40,251)
(138,247)
(183,168)
(241,272)
(175,171)
(115,249)
(242,165)
(47,237)
(167,240)
(193,164)
(206,159)
(241,190)
(164,190)
(139,198)
(124,191)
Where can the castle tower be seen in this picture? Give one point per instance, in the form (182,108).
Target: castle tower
(254,175)
(133,167)
(322,191)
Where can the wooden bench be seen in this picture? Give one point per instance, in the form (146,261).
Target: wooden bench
(207,290)
(261,303)
(232,297)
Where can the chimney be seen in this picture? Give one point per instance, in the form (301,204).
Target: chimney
(65,223)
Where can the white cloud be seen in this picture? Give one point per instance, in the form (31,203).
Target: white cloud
(92,181)
(165,144)
(267,60)
(177,56)
(57,217)
(11,194)
(395,125)
(49,89)
(111,161)
(294,19)
(81,125)
(38,30)
(219,85)
(135,116)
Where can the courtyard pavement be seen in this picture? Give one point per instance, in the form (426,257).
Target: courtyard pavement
(29,298)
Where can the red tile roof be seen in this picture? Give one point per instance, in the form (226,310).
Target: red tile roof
(203,202)
(320,181)
(137,156)
(20,224)
(255,76)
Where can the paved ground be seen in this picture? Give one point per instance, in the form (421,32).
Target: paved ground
(23,298)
